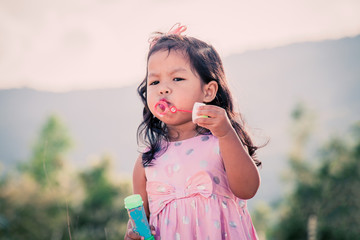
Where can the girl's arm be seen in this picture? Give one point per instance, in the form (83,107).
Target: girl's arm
(139,187)
(242,173)
(139,183)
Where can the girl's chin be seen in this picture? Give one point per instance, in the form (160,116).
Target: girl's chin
(171,121)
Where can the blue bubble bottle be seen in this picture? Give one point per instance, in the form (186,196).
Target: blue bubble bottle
(138,219)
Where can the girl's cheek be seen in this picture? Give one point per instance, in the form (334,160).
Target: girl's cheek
(150,96)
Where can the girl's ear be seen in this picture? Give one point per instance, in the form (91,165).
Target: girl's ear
(210,91)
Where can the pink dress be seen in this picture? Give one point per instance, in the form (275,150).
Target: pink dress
(189,195)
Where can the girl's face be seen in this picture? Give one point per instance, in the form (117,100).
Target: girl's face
(171,79)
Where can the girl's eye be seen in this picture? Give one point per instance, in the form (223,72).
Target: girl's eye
(153,82)
(178,79)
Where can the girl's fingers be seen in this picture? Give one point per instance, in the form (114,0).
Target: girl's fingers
(152,228)
(208,123)
(207,113)
(211,111)
(132,235)
(209,116)
(209,107)
(217,121)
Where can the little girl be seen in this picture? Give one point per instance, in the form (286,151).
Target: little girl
(195,174)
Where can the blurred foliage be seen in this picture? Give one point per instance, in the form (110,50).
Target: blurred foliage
(47,199)
(262,216)
(324,200)
(48,153)
(102,214)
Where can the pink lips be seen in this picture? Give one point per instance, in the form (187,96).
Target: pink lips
(162,107)
(164,100)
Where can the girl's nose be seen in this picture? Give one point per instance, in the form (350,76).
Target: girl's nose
(164,90)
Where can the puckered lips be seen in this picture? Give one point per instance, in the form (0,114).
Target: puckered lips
(162,106)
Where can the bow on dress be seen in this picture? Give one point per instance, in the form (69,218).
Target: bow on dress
(161,194)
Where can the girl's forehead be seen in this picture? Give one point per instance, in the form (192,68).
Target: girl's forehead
(170,61)
(169,56)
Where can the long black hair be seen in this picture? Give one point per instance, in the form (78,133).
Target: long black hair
(206,62)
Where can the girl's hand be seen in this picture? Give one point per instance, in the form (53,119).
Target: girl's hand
(130,234)
(217,122)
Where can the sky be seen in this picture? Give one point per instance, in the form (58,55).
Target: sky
(65,45)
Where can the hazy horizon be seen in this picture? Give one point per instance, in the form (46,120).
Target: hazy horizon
(68,45)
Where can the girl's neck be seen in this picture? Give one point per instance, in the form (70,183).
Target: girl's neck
(182,133)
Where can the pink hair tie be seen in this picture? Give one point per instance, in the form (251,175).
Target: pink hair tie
(177,29)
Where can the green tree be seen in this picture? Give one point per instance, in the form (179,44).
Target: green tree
(323,203)
(27,209)
(102,214)
(86,205)
(296,208)
(262,217)
(48,152)
(339,185)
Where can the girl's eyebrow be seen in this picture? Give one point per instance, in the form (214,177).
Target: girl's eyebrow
(153,75)
(176,70)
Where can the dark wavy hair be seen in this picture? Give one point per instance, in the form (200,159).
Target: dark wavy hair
(206,62)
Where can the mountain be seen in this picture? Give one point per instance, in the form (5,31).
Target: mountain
(100,121)
(267,84)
